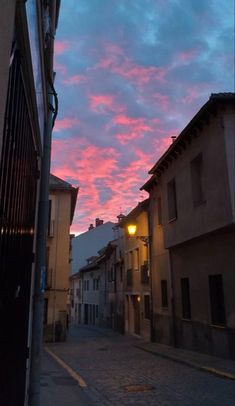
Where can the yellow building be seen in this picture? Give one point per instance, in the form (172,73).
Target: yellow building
(137,284)
(62,201)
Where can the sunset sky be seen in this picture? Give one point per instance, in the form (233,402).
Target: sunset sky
(129,75)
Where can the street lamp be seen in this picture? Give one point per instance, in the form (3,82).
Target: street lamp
(132,228)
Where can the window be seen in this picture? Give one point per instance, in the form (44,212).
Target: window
(131,259)
(129,277)
(217,299)
(147,307)
(196,179)
(87,285)
(164,293)
(137,258)
(172,202)
(49,218)
(96,311)
(45,311)
(159,211)
(121,273)
(95,284)
(90,313)
(144,273)
(185,293)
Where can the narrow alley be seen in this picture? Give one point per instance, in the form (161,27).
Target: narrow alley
(112,369)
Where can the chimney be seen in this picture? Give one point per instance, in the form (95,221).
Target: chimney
(98,222)
(120,217)
(173,138)
(91,227)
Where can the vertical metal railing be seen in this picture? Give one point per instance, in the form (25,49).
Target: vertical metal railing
(18,187)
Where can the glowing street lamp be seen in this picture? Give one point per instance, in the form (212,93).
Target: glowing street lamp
(132,228)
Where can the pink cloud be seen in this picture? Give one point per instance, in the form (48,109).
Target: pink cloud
(101,102)
(116,62)
(137,123)
(95,169)
(134,128)
(161,100)
(61,46)
(74,80)
(65,123)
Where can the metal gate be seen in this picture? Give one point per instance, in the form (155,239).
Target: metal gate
(18,189)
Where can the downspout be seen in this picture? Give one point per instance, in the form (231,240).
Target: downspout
(40,266)
(149,244)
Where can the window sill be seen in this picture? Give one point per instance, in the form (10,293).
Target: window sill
(172,220)
(218,326)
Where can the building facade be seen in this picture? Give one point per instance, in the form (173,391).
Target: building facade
(89,243)
(62,199)
(137,285)
(195,182)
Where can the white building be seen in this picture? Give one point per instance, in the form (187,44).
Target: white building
(89,243)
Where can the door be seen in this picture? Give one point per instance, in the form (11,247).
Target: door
(136,306)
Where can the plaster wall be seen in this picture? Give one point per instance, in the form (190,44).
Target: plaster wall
(216,209)
(89,243)
(211,255)
(58,245)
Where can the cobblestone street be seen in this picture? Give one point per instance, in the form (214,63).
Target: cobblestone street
(116,372)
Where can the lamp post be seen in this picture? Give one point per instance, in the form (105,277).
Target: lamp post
(132,228)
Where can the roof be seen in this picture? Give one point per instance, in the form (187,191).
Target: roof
(142,206)
(148,185)
(56,183)
(215,101)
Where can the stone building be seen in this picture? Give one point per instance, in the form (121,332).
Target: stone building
(193,188)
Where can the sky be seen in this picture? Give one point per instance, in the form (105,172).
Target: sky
(130,74)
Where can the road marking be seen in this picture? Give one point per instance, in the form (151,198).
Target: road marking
(70,371)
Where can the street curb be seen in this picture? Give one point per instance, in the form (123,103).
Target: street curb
(67,368)
(213,371)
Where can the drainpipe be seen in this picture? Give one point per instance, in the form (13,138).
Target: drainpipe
(40,266)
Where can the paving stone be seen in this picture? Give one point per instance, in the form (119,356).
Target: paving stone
(109,362)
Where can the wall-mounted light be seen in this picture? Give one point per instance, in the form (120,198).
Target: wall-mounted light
(132,228)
